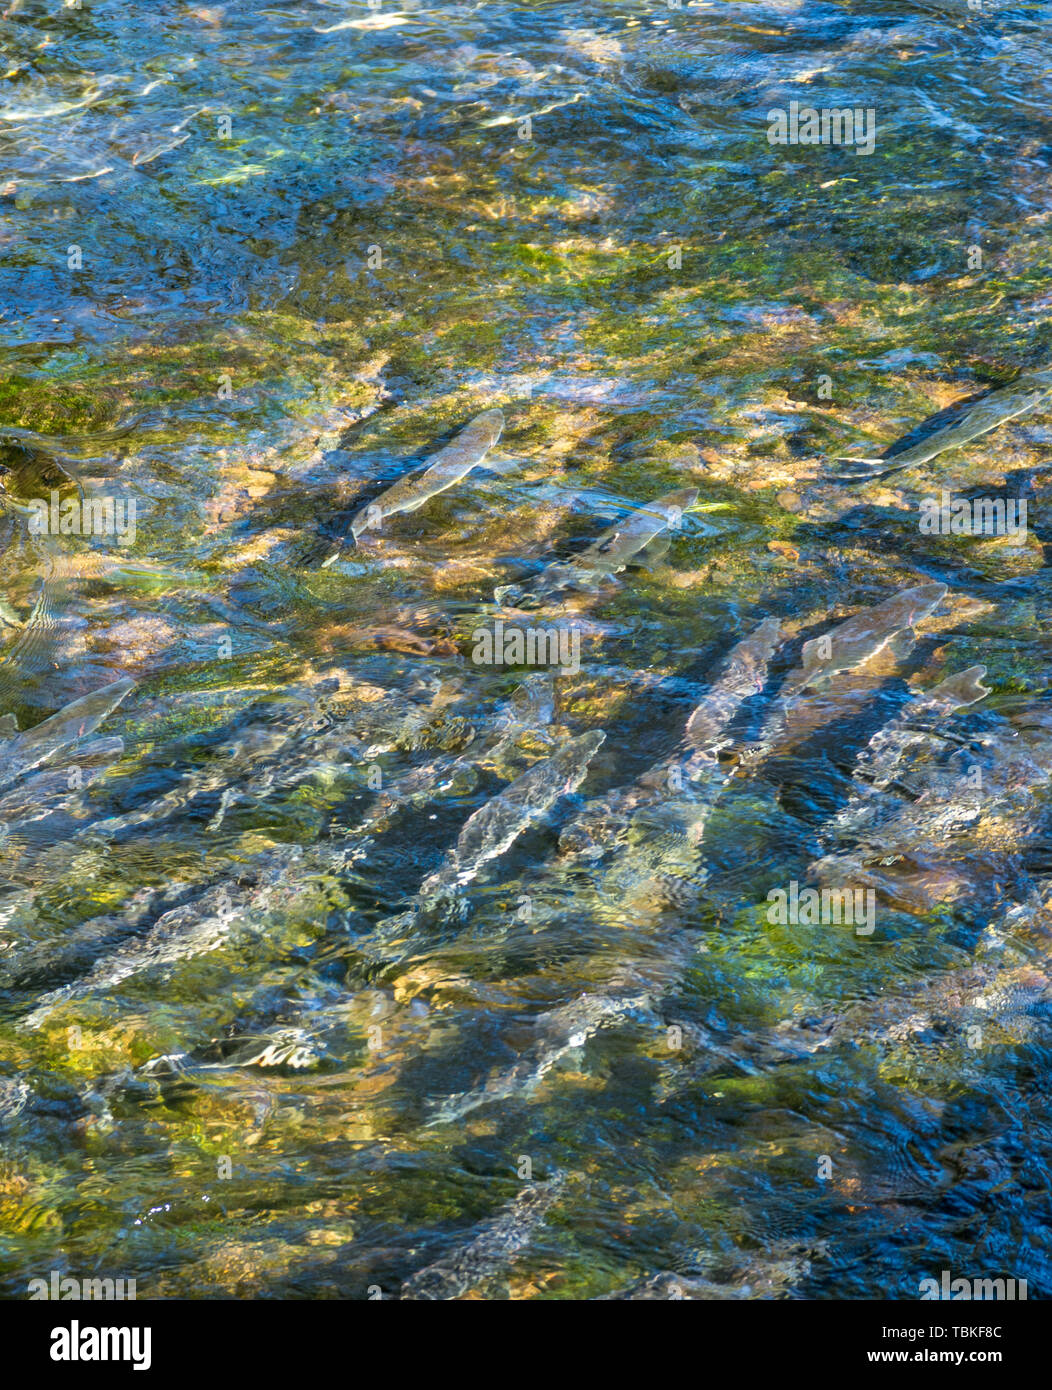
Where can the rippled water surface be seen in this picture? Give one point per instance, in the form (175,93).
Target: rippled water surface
(266,1029)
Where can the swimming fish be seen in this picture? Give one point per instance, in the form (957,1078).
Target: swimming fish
(695,777)
(559,1031)
(743,674)
(486,834)
(495,827)
(634,538)
(862,636)
(977,803)
(889,750)
(495,1245)
(193,928)
(448,466)
(1006,403)
(81,717)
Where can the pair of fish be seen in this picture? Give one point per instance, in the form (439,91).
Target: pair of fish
(861,637)
(844,648)
(997,991)
(1006,403)
(467,451)
(823,658)
(641,538)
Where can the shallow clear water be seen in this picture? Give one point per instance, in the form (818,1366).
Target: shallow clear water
(259,263)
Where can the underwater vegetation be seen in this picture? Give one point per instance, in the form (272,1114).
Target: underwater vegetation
(524,649)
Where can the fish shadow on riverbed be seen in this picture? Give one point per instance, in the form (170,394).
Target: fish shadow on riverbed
(895,530)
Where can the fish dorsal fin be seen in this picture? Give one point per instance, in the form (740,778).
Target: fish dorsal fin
(961,689)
